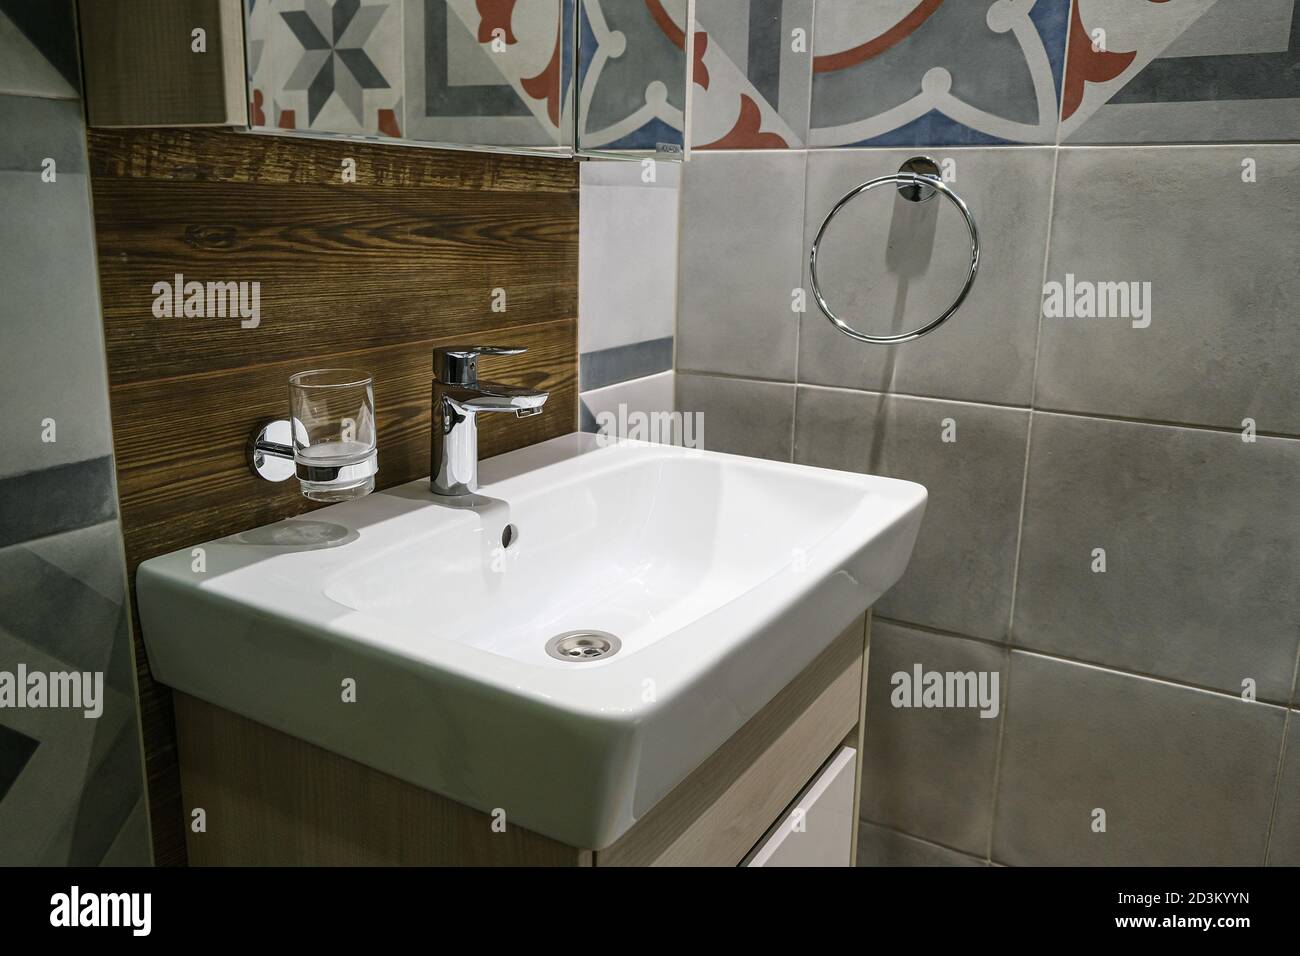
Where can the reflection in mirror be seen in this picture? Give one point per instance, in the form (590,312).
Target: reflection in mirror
(632,57)
(477,74)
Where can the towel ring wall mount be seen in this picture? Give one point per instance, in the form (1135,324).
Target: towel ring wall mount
(917,180)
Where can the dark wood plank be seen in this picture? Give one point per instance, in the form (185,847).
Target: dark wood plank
(370,275)
(198,155)
(346,270)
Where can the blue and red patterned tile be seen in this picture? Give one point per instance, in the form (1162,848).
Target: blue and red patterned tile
(937,72)
(632,73)
(488,72)
(1150,71)
(757,59)
(332,66)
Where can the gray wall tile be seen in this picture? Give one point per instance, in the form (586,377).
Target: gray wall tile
(52,364)
(1202,540)
(929,772)
(880,847)
(741,255)
(1220,255)
(1284,843)
(887,265)
(627,256)
(741,417)
(37,129)
(961,574)
(1185,776)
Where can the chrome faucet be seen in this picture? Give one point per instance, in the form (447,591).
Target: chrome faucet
(458,399)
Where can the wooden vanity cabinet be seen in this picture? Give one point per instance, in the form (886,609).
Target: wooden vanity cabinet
(272,799)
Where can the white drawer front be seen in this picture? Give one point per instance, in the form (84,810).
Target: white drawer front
(818,830)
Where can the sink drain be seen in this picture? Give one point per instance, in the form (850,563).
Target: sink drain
(583,646)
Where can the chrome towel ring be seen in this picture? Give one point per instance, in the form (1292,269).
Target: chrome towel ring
(914,187)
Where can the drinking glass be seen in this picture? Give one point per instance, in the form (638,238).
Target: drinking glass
(333,427)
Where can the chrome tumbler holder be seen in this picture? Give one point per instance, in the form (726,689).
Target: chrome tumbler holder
(270,450)
(328,442)
(270,456)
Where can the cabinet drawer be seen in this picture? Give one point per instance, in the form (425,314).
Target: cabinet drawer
(818,830)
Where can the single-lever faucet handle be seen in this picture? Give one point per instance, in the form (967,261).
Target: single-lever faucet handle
(458,364)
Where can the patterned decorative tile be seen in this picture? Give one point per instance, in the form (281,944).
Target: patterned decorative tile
(48,608)
(937,72)
(332,66)
(488,71)
(1195,71)
(632,73)
(15,750)
(39,812)
(57,499)
(38,49)
(757,70)
(132,846)
(109,796)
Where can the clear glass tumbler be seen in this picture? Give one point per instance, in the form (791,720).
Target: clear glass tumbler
(334,448)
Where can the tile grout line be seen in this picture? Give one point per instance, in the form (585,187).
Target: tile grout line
(888,828)
(1073,661)
(798,320)
(996,781)
(1281,765)
(1033,395)
(1064,413)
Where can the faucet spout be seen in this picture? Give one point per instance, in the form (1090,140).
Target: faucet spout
(491,397)
(458,399)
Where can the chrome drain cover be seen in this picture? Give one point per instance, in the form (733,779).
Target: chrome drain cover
(583,646)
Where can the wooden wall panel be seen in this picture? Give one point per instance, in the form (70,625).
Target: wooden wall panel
(372,274)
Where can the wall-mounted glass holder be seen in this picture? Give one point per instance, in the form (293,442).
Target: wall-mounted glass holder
(328,443)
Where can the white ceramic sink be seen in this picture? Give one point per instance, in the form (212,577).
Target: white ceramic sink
(723,577)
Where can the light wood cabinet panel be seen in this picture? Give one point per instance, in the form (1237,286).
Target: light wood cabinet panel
(270,799)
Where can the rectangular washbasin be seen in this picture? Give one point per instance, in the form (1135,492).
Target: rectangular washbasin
(565,646)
